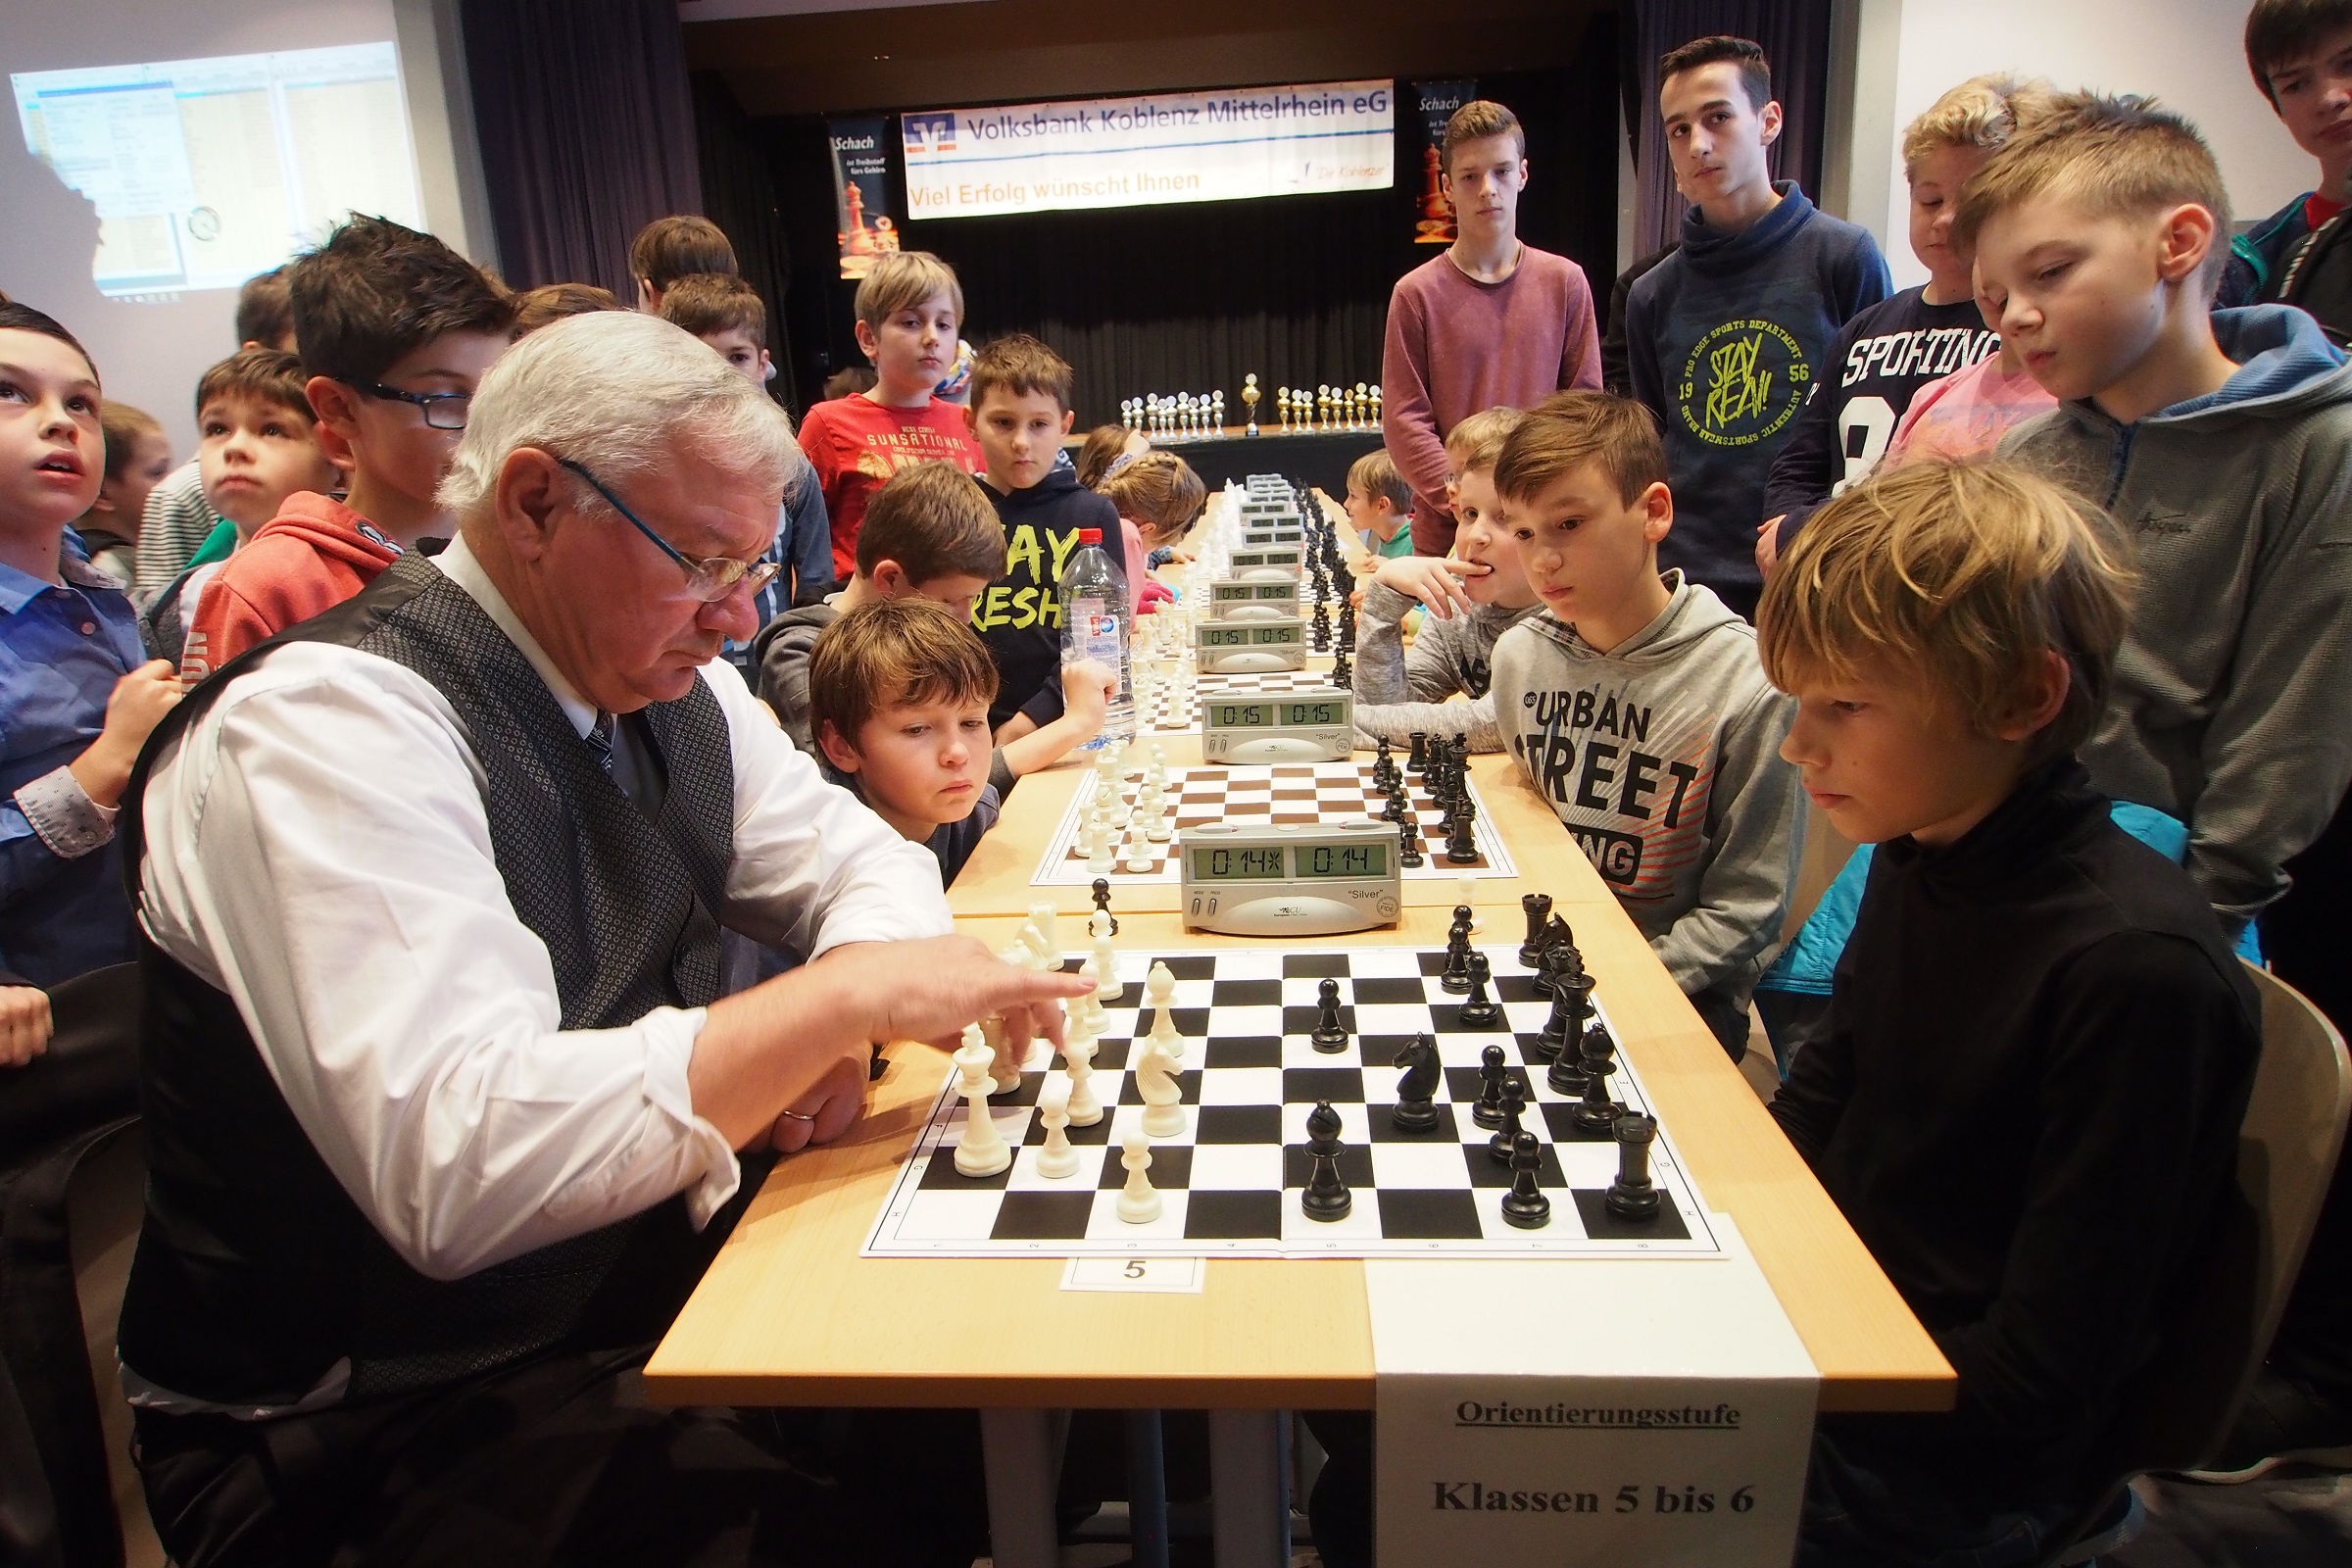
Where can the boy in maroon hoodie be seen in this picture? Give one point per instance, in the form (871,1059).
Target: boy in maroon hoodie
(395,329)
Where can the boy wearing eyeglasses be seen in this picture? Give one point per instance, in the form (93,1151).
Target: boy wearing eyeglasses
(395,329)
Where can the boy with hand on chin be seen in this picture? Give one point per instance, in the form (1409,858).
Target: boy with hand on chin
(1020,411)
(396,330)
(2027,1098)
(1637,708)
(910,315)
(1473,597)
(899,693)
(1726,337)
(2222,441)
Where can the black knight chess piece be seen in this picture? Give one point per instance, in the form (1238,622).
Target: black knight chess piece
(1417,1109)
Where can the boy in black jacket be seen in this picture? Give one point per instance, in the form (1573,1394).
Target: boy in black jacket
(1020,410)
(2040,1048)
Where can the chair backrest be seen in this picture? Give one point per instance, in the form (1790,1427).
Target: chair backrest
(2179,1410)
(1825,853)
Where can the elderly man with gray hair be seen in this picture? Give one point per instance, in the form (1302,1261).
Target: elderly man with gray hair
(445,1112)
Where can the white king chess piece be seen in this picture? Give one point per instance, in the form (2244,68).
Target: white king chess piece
(982,1150)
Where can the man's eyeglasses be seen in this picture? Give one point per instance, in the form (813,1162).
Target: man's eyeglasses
(708,581)
(443,411)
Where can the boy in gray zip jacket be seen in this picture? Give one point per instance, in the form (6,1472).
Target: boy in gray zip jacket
(1637,707)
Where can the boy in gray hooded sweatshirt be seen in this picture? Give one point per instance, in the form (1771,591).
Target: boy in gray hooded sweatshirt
(1637,707)
(2222,442)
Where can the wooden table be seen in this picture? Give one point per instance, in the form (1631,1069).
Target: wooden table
(790,1313)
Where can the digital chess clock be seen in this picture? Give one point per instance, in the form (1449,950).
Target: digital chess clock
(1269,560)
(1249,728)
(1296,879)
(1251,599)
(1272,531)
(1248,647)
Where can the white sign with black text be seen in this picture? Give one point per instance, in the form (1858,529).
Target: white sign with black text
(1649,1412)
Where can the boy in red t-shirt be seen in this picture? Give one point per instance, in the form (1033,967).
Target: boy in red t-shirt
(910,309)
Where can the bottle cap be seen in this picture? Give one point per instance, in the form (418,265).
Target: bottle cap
(1090,536)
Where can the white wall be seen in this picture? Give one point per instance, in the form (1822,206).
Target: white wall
(2188,53)
(151,353)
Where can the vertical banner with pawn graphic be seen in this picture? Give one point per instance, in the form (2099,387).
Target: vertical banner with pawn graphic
(861,191)
(1655,1411)
(1433,222)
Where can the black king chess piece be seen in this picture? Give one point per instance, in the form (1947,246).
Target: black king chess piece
(1633,1195)
(1572,1009)
(1326,1198)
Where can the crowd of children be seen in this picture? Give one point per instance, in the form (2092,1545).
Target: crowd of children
(1966,567)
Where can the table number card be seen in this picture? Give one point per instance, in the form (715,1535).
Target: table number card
(1655,1412)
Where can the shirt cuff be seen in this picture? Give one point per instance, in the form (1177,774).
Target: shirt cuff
(705,1154)
(64,815)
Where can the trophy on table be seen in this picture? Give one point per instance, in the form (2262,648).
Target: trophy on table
(1249,400)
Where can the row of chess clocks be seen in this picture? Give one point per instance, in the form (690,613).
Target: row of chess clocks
(1181,415)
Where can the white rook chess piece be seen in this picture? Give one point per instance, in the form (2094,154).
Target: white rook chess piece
(1106,956)
(982,1150)
(1139,1202)
(1057,1159)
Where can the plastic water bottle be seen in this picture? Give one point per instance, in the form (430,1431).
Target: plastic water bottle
(1095,624)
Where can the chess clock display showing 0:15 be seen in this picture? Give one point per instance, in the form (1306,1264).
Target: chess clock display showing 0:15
(1265,864)
(1246,636)
(1244,592)
(1273,715)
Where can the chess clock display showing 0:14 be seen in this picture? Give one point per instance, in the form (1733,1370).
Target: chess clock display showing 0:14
(1290,879)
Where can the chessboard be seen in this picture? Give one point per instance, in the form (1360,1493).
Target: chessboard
(1255,796)
(1233,1181)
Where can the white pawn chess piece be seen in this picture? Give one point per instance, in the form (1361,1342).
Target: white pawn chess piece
(1057,1159)
(982,1150)
(1160,830)
(1003,1069)
(1138,1203)
(1106,956)
(1139,848)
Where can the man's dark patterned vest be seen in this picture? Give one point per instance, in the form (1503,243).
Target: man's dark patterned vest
(255,1273)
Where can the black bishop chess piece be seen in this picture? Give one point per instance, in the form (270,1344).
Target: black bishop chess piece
(1462,839)
(1537,906)
(1492,1075)
(1456,977)
(1417,760)
(1633,1195)
(1103,901)
(1515,1106)
(1598,1111)
(1481,1011)
(1327,1198)
(1525,1205)
(1416,1108)
(1330,1035)
(1408,845)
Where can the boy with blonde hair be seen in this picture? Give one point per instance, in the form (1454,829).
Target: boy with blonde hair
(1883,357)
(2027,1098)
(2221,440)
(1472,595)
(1637,706)
(910,315)
(899,695)
(1380,503)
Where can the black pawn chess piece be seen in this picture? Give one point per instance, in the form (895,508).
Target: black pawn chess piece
(1492,1075)
(1525,1205)
(1319,629)
(1417,760)
(1633,1195)
(1538,908)
(1568,1069)
(1329,1034)
(1103,901)
(1417,1109)
(1392,810)
(1343,673)
(1384,766)
(1327,1198)
(1461,840)
(1455,976)
(1481,1010)
(1408,846)
(1597,1112)
(1515,1105)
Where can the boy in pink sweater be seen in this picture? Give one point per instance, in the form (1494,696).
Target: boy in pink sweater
(1490,322)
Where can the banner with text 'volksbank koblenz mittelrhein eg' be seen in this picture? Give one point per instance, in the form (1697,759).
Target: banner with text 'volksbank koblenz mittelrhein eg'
(1151,149)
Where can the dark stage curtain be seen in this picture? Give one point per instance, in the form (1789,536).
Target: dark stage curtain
(1795,36)
(1190,298)
(740,194)
(587,131)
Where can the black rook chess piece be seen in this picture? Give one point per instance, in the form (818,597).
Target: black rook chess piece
(1326,1198)
(1417,1109)
(1633,1195)
(1488,1112)
(1481,1010)
(1525,1205)
(1329,1034)
(1103,901)
(1538,908)
(1417,760)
